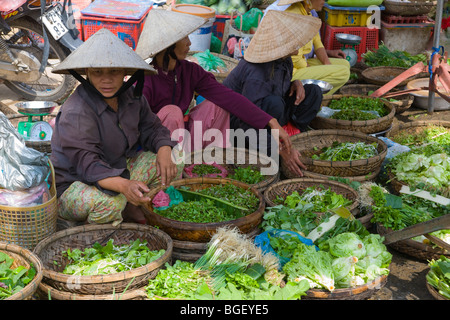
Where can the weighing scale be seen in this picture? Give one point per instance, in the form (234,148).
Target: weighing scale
(33,130)
(349,42)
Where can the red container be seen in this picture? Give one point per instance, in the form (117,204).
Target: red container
(369,38)
(404,19)
(127,30)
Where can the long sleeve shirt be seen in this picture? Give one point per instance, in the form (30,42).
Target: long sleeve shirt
(178,86)
(259,80)
(91,141)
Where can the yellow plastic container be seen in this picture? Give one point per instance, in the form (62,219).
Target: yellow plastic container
(345,16)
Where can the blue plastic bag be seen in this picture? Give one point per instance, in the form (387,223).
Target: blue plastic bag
(263,241)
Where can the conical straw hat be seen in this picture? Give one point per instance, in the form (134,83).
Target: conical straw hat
(285,2)
(103,50)
(163,28)
(279,34)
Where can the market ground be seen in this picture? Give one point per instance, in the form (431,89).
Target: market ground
(406,280)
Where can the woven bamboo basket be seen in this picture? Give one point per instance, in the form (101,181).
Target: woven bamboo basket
(45,291)
(26,258)
(413,248)
(366,126)
(403,102)
(202,232)
(414,127)
(27,226)
(230,63)
(311,142)
(434,292)
(368,177)
(362,292)
(284,188)
(233,158)
(383,74)
(409,8)
(50,251)
(42,146)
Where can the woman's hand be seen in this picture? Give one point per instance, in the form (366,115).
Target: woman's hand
(285,140)
(298,90)
(133,190)
(293,162)
(165,166)
(337,53)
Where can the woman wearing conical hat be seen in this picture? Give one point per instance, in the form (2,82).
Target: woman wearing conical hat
(107,144)
(165,40)
(264,76)
(329,65)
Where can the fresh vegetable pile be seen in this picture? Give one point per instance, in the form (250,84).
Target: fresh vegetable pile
(439,275)
(233,194)
(205,169)
(110,258)
(249,175)
(367,104)
(353,115)
(397,58)
(323,199)
(13,280)
(426,135)
(347,151)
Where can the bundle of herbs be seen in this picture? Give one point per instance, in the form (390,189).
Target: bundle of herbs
(250,175)
(374,105)
(234,194)
(383,56)
(110,258)
(423,135)
(353,115)
(439,275)
(347,151)
(12,280)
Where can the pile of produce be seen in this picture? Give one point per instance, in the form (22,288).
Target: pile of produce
(426,167)
(236,195)
(423,135)
(397,58)
(323,199)
(361,105)
(353,115)
(110,258)
(12,280)
(439,276)
(249,175)
(347,151)
(233,268)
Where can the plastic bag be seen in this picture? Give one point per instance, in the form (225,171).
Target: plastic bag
(210,62)
(326,112)
(174,195)
(263,241)
(34,196)
(250,19)
(161,199)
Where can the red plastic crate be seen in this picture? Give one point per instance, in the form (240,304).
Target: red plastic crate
(404,19)
(127,30)
(219,25)
(369,38)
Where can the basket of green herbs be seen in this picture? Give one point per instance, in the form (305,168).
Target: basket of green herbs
(438,279)
(338,153)
(356,113)
(418,133)
(324,194)
(207,204)
(21,272)
(241,164)
(92,260)
(401,102)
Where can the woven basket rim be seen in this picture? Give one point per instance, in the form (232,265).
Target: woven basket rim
(324,182)
(367,74)
(434,292)
(202,180)
(110,277)
(336,132)
(31,257)
(420,123)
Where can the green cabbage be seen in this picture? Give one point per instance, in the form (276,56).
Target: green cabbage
(347,244)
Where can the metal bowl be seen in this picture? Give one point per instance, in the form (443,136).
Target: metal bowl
(348,38)
(324,86)
(36,107)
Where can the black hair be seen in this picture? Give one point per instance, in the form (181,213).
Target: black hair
(170,52)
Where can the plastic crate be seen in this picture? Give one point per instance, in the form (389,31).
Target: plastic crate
(346,16)
(369,38)
(404,19)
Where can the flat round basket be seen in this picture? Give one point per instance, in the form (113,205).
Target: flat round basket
(408,8)
(47,292)
(434,292)
(282,189)
(26,258)
(42,146)
(230,63)
(383,74)
(202,232)
(413,248)
(311,142)
(402,103)
(233,158)
(361,292)
(366,126)
(368,177)
(50,252)
(414,127)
